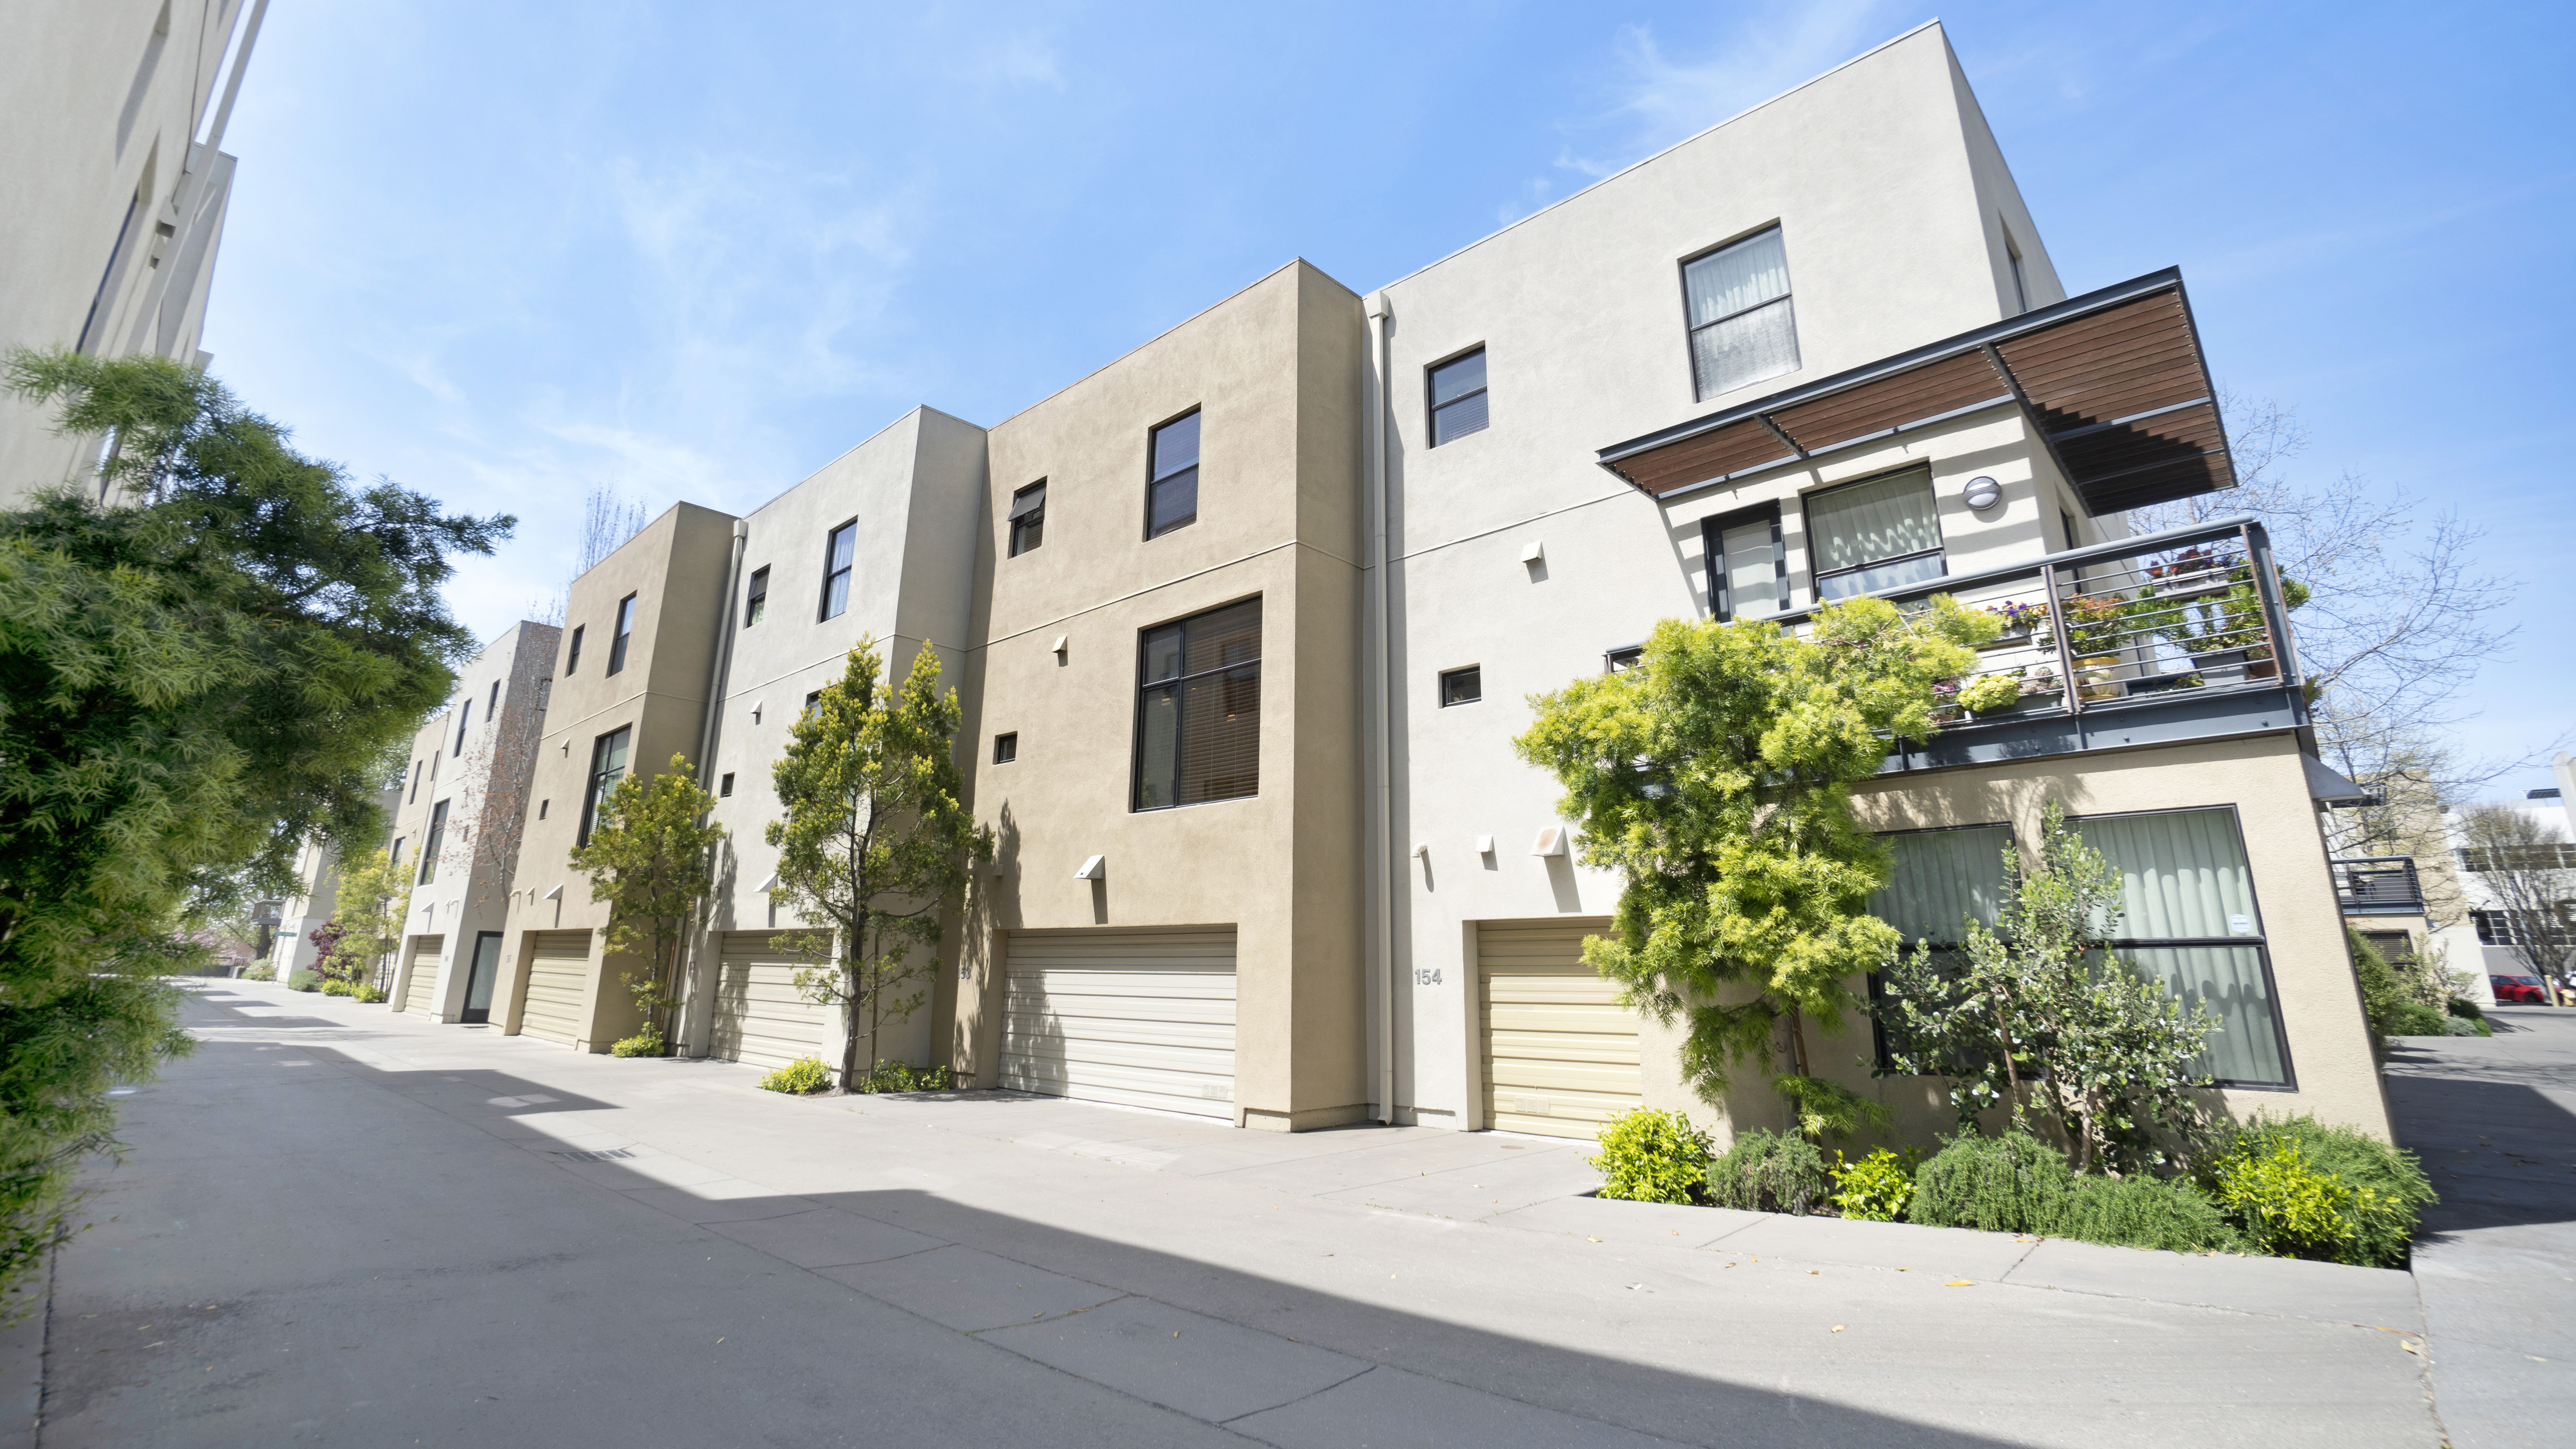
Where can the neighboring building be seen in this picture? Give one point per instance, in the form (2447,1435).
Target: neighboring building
(2484,943)
(114,205)
(456,835)
(316,899)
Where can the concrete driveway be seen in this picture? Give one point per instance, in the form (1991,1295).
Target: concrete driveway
(340,1225)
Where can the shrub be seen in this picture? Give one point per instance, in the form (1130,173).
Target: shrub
(2409,1019)
(1990,692)
(645,1043)
(2465,1014)
(2009,1184)
(2301,1188)
(2383,999)
(2141,1212)
(259,973)
(2460,1006)
(304,981)
(803,1075)
(1769,1172)
(365,993)
(1651,1156)
(1877,1187)
(334,986)
(905,1077)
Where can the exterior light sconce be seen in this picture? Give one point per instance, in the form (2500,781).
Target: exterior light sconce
(1484,845)
(771,884)
(1551,841)
(1422,851)
(1057,649)
(1094,868)
(1982,493)
(756,708)
(553,895)
(1534,552)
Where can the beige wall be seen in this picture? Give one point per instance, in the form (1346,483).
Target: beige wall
(677,567)
(1275,373)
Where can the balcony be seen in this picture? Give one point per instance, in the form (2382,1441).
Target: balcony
(2377,885)
(2152,640)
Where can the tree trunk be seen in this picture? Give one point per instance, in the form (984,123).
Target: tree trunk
(849,1014)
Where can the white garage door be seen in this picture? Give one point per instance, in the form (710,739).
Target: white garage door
(1140,1017)
(760,1018)
(558,978)
(1560,1051)
(422,994)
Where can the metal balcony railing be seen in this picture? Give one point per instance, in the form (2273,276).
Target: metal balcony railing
(2377,885)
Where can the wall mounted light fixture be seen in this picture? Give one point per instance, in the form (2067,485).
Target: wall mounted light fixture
(1982,493)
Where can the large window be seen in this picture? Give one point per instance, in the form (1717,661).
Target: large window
(618,641)
(429,845)
(1172,493)
(838,555)
(1742,326)
(1748,573)
(1028,518)
(1458,398)
(1198,713)
(2189,920)
(607,767)
(1938,881)
(755,597)
(1878,534)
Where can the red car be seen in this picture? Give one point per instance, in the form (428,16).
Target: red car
(2518,989)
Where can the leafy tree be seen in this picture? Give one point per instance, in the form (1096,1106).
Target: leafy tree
(191,685)
(2038,1018)
(1717,775)
(374,900)
(873,843)
(652,858)
(2521,861)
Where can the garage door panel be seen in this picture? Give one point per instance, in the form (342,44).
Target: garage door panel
(761,1018)
(421,990)
(1142,1018)
(1561,1054)
(558,982)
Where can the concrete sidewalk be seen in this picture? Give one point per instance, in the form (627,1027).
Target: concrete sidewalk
(342,1225)
(2495,1121)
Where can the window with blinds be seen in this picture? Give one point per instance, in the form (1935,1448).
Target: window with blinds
(1748,573)
(1881,533)
(1172,490)
(1458,398)
(1742,325)
(1198,712)
(2188,919)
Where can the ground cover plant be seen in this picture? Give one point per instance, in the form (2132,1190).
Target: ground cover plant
(800,1077)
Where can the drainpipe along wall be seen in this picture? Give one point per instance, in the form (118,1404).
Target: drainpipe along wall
(1381,854)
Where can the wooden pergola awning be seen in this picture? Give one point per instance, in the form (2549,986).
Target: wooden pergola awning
(2113,382)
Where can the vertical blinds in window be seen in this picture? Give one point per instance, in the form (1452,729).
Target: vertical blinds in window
(1940,878)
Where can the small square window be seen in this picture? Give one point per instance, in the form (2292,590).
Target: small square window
(1458,398)
(724,786)
(755,599)
(1623,659)
(1028,518)
(811,700)
(1172,493)
(1462,686)
(1006,748)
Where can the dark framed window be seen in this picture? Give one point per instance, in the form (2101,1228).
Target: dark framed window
(1937,881)
(1743,327)
(464,717)
(2066,521)
(1006,748)
(1458,398)
(2190,920)
(755,596)
(625,631)
(838,554)
(2020,274)
(1623,658)
(607,767)
(1198,711)
(724,786)
(1878,533)
(541,808)
(1748,569)
(430,843)
(393,858)
(1028,518)
(416,767)
(572,652)
(1462,686)
(1172,488)
(492,706)
(811,700)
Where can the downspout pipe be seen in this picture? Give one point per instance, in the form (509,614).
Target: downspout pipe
(700,1020)
(1378,745)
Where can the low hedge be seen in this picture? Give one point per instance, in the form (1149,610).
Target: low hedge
(1651,1156)
(1772,1172)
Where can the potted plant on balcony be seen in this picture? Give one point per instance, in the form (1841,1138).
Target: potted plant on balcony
(2098,627)
(1989,694)
(2018,619)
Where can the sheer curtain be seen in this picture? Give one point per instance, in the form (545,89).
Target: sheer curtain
(1858,525)
(1731,345)
(2183,876)
(1752,571)
(1941,877)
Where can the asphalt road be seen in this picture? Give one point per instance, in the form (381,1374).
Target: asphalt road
(337,1225)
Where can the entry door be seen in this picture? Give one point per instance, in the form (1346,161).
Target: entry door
(478,985)
(1561,1053)
(1140,1017)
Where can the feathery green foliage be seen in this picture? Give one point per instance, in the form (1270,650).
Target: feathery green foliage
(652,857)
(2140,1212)
(1716,777)
(1652,1156)
(873,843)
(1771,1172)
(2009,1184)
(191,685)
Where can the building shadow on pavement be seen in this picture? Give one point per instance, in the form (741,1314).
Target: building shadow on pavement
(2496,1147)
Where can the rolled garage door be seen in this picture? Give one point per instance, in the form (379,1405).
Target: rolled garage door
(422,994)
(760,1017)
(1144,1018)
(1561,1054)
(558,983)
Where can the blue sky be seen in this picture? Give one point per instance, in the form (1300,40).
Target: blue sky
(505,252)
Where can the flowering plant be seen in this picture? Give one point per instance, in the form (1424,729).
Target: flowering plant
(2018,616)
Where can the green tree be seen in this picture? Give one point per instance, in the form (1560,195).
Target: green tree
(873,843)
(652,857)
(190,686)
(374,900)
(2039,1019)
(1716,776)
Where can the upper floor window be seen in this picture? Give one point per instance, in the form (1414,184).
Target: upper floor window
(1028,518)
(1458,398)
(1748,571)
(2020,274)
(1462,686)
(838,555)
(464,717)
(1198,726)
(572,652)
(625,631)
(395,859)
(1172,494)
(1623,658)
(607,767)
(492,706)
(1742,326)
(429,845)
(415,782)
(755,597)
(1876,534)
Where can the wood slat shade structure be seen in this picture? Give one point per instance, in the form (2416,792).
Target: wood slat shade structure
(2113,382)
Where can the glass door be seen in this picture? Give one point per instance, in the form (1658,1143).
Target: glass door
(478,987)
